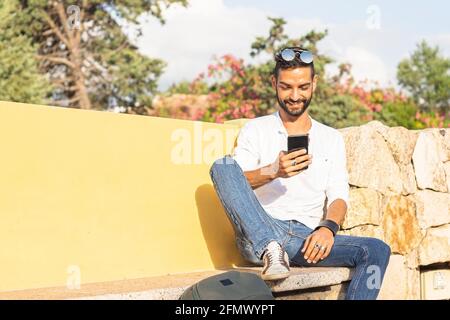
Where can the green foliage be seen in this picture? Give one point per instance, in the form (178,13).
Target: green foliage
(277,39)
(339,111)
(198,86)
(426,75)
(20,79)
(399,114)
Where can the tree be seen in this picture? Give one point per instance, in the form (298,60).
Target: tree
(426,76)
(20,79)
(89,59)
(340,111)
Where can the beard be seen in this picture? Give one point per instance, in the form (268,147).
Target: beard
(297,112)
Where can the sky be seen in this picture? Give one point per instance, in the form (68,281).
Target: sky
(374,36)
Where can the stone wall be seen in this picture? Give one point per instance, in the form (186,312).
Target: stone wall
(400,193)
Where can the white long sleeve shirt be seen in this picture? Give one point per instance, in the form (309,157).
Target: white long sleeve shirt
(301,197)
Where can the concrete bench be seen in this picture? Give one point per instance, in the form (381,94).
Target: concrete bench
(304,283)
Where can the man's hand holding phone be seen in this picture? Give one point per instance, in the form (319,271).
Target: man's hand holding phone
(291,164)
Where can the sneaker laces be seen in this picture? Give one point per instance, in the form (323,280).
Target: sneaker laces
(275,253)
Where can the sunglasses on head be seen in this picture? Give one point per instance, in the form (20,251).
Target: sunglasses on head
(289,54)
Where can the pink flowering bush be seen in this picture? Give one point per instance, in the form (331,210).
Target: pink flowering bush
(234,93)
(432,119)
(391,107)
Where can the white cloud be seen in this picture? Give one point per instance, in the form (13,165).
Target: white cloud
(443,41)
(366,65)
(352,43)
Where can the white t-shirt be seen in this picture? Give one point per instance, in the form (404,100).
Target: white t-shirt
(301,197)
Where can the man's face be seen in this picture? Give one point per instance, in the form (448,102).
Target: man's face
(294,89)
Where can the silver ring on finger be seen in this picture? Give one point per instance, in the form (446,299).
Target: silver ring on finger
(323,248)
(317,246)
(294,162)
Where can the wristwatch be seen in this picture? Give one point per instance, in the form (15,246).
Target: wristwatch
(329,224)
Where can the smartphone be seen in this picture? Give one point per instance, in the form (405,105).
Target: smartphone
(297,142)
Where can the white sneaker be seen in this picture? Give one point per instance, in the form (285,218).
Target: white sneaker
(276,262)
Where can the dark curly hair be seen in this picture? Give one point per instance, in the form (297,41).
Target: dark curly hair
(281,64)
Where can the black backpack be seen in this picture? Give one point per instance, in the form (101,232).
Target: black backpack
(231,285)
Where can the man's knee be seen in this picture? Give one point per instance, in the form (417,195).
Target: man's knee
(221,165)
(378,250)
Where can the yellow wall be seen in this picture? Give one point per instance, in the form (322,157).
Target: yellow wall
(103,193)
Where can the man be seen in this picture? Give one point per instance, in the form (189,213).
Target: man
(287,207)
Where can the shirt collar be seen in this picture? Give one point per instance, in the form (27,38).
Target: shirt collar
(282,129)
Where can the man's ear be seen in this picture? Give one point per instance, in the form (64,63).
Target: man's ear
(315,82)
(274,82)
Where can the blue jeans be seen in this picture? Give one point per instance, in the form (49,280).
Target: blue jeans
(254,229)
